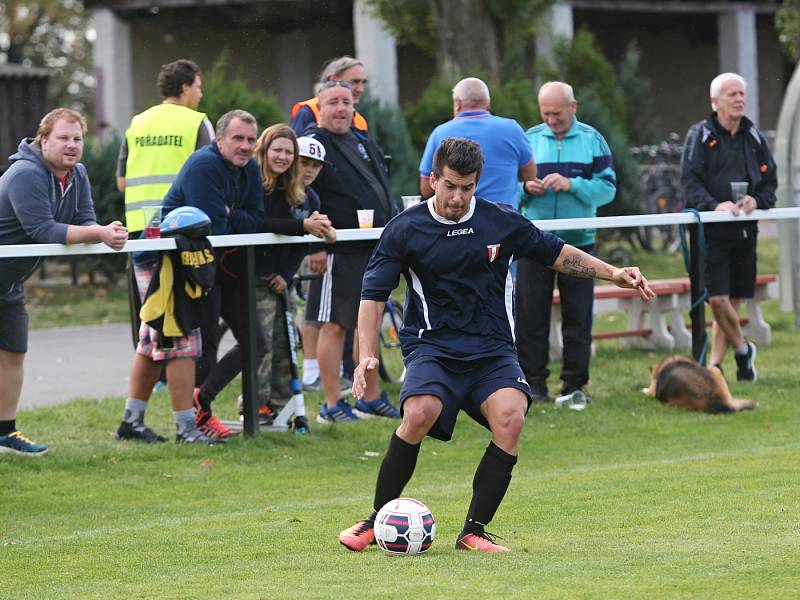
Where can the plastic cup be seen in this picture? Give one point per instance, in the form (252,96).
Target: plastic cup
(738,190)
(365,218)
(409,201)
(577,400)
(153,229)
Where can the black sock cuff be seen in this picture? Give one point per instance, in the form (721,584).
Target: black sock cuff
(399,446)
(7,427)
(501,455)
(205,399)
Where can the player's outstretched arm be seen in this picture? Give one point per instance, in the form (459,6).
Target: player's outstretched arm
(575,262)
(370,314)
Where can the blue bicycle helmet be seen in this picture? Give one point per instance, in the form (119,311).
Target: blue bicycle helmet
(186,220)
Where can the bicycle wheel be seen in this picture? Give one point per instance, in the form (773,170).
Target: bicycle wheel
(391,366)
(660,238)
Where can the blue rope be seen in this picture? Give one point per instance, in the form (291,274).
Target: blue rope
(701,238)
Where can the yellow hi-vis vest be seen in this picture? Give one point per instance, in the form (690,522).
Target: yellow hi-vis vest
(359,122)
(159,141)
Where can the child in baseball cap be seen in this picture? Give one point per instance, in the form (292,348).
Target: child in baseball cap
(312,158)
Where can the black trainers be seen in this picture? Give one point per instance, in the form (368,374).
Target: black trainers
(138,432)
(746,364)
(539,391)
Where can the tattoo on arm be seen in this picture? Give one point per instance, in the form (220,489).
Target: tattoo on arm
(574,266)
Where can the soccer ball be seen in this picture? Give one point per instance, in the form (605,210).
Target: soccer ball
(404,527)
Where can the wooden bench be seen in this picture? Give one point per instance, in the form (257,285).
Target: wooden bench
(660,324)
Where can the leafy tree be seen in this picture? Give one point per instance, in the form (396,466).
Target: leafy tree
(640,116)
(787,22)
(222,93)
(603,98)
(602,104)
(581,63)
(53,34)
(434,106)
(465,36)
(388,128)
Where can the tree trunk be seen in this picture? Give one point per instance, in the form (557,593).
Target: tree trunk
(466,40)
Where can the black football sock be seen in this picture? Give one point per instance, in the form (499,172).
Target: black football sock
(396,470)
(489,487)
(205,399)
(7,427)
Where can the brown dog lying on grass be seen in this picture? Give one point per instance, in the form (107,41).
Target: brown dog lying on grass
(682,382)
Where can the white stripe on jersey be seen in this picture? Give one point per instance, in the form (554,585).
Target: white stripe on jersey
(416,284)
(509,297)
(324,314)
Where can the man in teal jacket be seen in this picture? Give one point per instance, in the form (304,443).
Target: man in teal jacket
(575,177)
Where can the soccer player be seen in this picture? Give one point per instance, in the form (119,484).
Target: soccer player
(454,251)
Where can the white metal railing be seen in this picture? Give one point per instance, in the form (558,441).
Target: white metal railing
(350,235)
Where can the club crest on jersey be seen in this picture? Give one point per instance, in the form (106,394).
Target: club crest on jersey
(466,231)
(493,250)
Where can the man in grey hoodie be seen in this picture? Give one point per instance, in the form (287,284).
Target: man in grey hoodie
(45,198)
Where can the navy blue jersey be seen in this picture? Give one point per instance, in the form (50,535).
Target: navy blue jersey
(459,299)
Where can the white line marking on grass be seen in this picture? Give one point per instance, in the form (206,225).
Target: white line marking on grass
(307,505)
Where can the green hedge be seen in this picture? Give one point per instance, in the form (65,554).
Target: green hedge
(100,161)
(222,93)
(388,128)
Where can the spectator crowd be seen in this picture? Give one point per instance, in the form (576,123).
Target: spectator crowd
(182,176)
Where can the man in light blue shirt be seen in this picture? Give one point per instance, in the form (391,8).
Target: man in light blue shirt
(507,153)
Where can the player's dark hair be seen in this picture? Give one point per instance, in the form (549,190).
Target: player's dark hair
(459,154)
(173,75)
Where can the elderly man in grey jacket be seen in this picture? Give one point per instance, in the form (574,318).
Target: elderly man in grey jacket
(45,197)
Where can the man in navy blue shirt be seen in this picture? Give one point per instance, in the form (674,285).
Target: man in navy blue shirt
(454,251)
(224,181)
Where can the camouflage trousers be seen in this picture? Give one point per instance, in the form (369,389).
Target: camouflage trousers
(274,372)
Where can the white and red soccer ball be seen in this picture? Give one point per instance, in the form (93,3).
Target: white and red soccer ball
(404,527)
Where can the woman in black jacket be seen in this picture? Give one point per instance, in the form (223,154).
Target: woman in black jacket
(290,209)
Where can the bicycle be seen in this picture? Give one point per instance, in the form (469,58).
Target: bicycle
(391,368)
(661,192)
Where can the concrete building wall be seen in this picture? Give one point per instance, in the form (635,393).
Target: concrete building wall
(285,63)
(680,57)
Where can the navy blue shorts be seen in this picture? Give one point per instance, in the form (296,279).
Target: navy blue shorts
(460,385)
(13,326)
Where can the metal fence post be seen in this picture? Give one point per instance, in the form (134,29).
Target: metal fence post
(249,346)
(697,279)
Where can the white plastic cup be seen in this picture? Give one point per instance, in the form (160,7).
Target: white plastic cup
(577,400)
(365,216)
(738,190)
(409,201)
